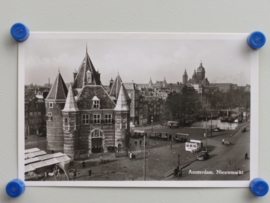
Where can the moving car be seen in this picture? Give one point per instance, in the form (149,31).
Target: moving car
(203,156)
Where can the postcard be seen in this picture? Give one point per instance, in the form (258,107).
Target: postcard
(137,110)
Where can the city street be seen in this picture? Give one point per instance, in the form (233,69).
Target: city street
(161,160)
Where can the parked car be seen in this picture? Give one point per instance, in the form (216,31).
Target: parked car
(217,129)
(179,137)
(203,156)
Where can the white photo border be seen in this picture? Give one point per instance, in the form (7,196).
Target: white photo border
(254,128)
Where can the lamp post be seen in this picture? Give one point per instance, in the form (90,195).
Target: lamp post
(205,135)
(152,123)
(144,161)
(211,126)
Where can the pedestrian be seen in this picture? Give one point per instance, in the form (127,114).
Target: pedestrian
(89,173)
(83,164)
(135,142)
(140,142)
(58,173)
(52,151)
(74,174)
(130,155)
(45,175)
(101,159)
(246,156)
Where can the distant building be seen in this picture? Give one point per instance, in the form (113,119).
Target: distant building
(223,87)
(134,95)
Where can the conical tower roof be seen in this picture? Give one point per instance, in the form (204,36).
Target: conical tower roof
(185,73)
(150,82)
(116,86)
(122,100)
(81,77)
(58,91)
(71,105)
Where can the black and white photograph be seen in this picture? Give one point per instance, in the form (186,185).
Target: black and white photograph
(137,110)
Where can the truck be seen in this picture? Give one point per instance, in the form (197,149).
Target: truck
(194,146)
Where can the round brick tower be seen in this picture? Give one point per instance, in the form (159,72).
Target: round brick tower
(55,102)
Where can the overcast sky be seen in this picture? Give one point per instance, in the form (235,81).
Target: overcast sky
(225,61)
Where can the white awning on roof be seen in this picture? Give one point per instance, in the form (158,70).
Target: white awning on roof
(49,156)
(34,154)
(28,168)
(32,160)
(63,158)
(51,161)
(39,164)
(31,150)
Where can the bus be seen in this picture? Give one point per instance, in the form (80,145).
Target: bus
(193,146)
(173,124)
(180,137)
(160,135)
(138,133)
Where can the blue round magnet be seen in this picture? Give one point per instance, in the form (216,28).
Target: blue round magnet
(259,187)
(15,188)
(19,32)
(256,40)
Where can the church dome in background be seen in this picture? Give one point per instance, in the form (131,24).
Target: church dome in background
(200,68)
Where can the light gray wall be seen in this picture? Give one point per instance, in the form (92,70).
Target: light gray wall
(133,16)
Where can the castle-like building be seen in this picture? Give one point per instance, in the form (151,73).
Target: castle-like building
(85,116)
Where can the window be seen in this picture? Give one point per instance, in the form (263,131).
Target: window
(108,118)
(39,113)
(51,105)
(66,126)
(96,104)
(65,121)
(97,118)
(85,118)
(49,115)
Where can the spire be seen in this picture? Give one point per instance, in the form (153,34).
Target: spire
(122,100)
(81,78)
(185,73)
(58,91)
(150,82)
(116,86)
(86,48)
(71,104)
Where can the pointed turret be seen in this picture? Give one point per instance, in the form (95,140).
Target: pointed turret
(150,83)
(194,76)
(115,89)
(122,100)
(55,102)
(185,77)
(122,127)
(164,82)
(111,83)
(87,74)
(58,91)
(185,73)
(71,104)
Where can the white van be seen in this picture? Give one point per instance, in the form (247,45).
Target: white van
(193,146)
